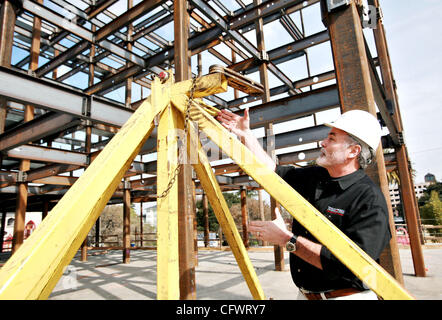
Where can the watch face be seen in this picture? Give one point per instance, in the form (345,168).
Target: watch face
(290,246)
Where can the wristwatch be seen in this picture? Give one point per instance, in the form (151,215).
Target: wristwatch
(291,244)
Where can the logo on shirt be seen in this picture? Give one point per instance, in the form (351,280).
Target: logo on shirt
(336,211)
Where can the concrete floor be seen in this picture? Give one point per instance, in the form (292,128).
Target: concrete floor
(105,277)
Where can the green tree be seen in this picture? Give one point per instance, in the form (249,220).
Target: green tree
(431,212)
(233,200)
(111,223)
(427,194)
(213,222)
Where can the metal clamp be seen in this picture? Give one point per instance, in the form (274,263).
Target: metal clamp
(265,56)
(22,176)
(400,137)
(86,106)
(335,4)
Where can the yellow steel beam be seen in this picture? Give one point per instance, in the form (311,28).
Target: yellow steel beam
(167,209)
(221,210)
(361,264)
(34,270)
(167,206)
(204,86)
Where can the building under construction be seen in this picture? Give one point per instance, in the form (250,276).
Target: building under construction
(74,72)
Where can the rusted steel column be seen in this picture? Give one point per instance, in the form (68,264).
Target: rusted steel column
(22,196)
(407,186)
(186,204)
(261,210)
(356,92)
(45,210)
(97,232)
(2,230)
(206,220)
(244,215)
(263,73)
(7,23)
(88,145)
(141,222)
(126,222)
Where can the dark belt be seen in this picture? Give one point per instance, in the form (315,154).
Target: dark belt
(330,294)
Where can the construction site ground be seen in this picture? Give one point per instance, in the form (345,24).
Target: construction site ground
(105,277)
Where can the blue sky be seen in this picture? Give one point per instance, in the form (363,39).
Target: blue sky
(414,34)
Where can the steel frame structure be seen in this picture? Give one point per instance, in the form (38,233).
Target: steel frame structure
(47,126)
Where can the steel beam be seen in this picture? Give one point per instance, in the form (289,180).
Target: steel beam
(60,21)
(294,107)
(23,88)
(127,17)
(242,41)
(73,216)
(356,92)
(186,201)
(35,129)
(283,88)
(7,22)
(57,19)
(45,154)
(407,188)
(244,18)
(199,40)
(94,10)
(283,53)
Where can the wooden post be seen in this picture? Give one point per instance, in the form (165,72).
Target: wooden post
(356,92)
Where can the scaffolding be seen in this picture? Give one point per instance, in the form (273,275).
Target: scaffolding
(79,57)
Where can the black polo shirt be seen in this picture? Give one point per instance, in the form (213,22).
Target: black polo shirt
(355,205)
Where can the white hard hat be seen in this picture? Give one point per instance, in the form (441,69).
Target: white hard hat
(360,124)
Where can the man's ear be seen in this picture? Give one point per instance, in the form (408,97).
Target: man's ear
(355,150)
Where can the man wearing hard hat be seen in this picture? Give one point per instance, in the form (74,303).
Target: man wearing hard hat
(339,188)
